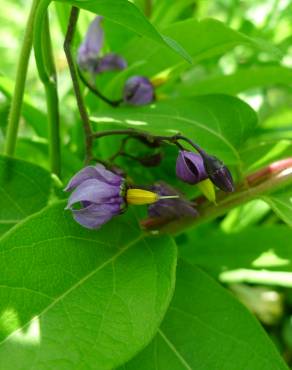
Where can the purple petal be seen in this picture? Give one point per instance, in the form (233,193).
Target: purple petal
(93,216)
(170,208)
(110,62)
(190,167)
(93,191)
(90,47)
(138,90)
(98,172)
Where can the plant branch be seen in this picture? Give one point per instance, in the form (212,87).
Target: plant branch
(208,211)
(95,91)
(17,98)
(74,76)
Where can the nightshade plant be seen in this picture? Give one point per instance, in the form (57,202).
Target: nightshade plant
(146,185)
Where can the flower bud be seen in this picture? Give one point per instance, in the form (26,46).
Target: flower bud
(190,167)
(208,189)
(138,90)
(218,173)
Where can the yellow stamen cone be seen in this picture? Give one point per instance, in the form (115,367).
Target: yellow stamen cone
(208,189)
(140,196)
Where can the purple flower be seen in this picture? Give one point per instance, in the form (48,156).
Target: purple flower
(138,90)
(90,47)
(110,62)
(97,197)
(218,173)
(170,208)
(190,167)
(88,53)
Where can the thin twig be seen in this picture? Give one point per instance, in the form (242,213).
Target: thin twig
(95,91)
(74,76)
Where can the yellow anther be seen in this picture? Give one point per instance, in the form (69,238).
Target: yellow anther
(140,196)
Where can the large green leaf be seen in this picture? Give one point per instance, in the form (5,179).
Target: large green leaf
(206,328)
(201,39)
(255,255)
(241,80)
(219,123)
(73,298)
(24,189)
(128,15)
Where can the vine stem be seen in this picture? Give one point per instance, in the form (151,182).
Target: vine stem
(17,98)
(47,73)
(208,212)
(74,76)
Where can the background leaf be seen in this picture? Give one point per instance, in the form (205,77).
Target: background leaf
(81,297)
(206,328)
(127,14)
(24,188)
(220,124)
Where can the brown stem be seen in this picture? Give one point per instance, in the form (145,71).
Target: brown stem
(93,89)
(74,76)
(208,211)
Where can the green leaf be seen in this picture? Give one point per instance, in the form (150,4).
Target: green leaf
(281,203)
(24,189)
(206,328)
(201,39)
(241,80)
(73,298)
(128,15)
(255,255)
(218,123)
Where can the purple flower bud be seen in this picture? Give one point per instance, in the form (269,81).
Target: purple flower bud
(99,196)
(138,90)
(90,47)
(218,173)
(110,62)
(190,167)
(170,208)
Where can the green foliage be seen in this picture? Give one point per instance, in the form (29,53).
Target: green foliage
(200,316)
(25,189)
(97,295)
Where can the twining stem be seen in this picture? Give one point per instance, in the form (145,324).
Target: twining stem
(50,85)
(93,89)
(17,98)
(74,76)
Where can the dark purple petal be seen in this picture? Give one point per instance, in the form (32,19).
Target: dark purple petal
(170,208)
(190,167)
(95,215)
(90,47)
(98,172)
(138,90)
(110,62)
(93,191)
(218,173)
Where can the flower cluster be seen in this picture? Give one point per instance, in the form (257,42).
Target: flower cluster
(138,90)
(99,194)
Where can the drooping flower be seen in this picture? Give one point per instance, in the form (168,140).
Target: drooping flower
(88,53)
(98,196)
(190,167)
(218,173)
(138,90)
(168,208)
